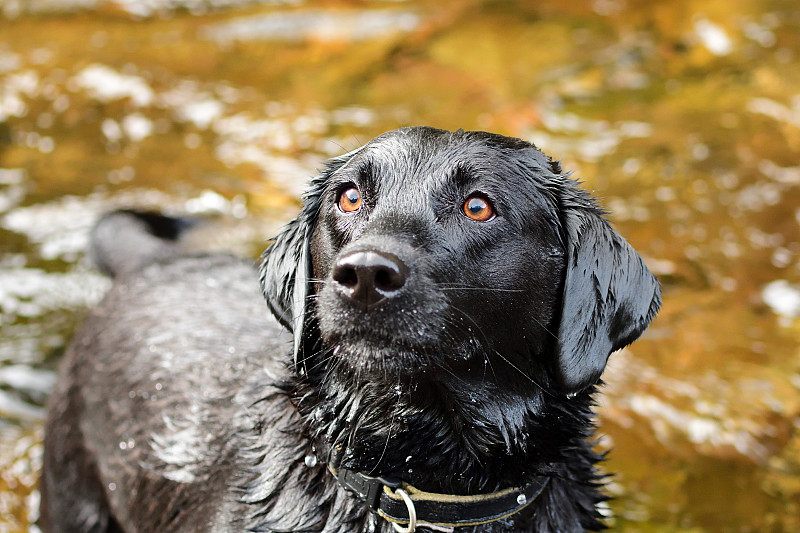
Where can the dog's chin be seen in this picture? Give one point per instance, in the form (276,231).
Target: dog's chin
(374,361)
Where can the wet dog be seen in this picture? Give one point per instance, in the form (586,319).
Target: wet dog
(442,310)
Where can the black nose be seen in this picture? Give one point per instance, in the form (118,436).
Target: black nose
(369,277)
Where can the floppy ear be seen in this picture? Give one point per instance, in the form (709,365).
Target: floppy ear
(286,265)
(284,276)
(609,299)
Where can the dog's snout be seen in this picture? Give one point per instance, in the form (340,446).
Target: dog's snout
(369,277)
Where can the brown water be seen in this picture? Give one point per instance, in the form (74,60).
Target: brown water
(683,116)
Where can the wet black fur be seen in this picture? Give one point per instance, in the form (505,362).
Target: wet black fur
(183,407)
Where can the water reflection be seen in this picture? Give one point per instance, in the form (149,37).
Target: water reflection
(684,117)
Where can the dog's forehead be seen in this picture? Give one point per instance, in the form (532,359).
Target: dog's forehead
(432,154)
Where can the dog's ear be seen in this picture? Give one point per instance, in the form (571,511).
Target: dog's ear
(609,298)
(284,275)
(286,267)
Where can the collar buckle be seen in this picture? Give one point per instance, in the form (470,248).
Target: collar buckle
(367,488)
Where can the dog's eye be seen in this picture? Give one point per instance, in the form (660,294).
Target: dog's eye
(478,208)
(350,200)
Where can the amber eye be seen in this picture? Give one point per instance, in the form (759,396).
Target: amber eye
(478,208)
(350,200)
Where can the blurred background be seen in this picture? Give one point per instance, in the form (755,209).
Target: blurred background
(683,116)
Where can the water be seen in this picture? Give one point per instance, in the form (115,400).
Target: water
(683,117)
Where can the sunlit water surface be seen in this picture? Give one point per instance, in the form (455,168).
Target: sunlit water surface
(683,116)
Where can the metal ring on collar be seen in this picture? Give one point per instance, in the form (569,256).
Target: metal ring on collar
(412,514)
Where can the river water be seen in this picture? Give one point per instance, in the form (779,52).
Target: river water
(682,116)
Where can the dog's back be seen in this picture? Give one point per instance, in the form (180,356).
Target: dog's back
(153,334)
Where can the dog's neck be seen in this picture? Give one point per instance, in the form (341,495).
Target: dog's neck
(456,436)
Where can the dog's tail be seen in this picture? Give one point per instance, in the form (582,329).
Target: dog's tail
(125,240)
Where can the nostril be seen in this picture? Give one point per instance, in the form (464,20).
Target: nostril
(389,279)
(345,275)
(382,279)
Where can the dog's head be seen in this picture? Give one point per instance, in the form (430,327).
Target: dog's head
(427,251)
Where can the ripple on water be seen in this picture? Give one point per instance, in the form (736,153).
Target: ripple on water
(717,416)
(319,25)
(31,292)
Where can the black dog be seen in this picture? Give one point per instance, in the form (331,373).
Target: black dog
(445,305)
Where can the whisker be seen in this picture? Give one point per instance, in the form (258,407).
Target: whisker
(450,371)
(338,145)
(321,360)
(545,328)
(388,438)
(515,367)
(472,320)
(504,358)
(452,287)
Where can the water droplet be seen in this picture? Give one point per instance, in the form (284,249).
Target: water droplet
(310,461)
(521,499)
(123,445)
(112,486)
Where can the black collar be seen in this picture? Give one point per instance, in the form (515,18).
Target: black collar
(407,507)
